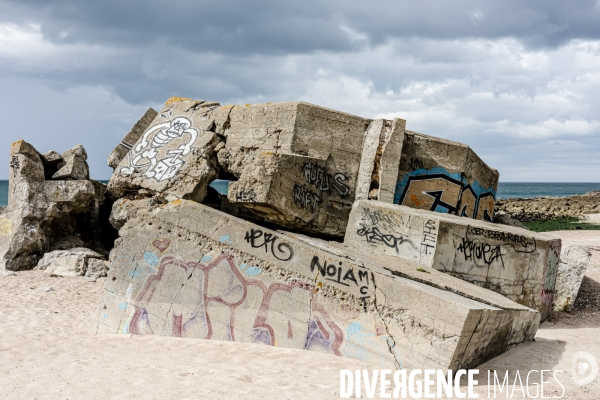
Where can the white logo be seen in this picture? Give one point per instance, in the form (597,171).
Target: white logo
(145,153)
(585,368)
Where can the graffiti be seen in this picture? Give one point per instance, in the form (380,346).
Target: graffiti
(305,197)
(438,190)
(161,244)
(374,235)
(145,153)
(257,238)
(385,220)
(429,237)
(411,237)
(519,243)
(323,181)
(245,196)
(14,164)
(477,251)
(415,164)
(215,291)
(5,227)
(341,274)
(550,271)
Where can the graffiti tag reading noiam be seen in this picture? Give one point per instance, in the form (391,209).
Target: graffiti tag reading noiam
(144,154)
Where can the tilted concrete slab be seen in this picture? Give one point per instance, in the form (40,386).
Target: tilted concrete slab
(441,175)
(186,270)
(517,263)
(131,138)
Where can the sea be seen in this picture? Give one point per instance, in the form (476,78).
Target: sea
(506,190)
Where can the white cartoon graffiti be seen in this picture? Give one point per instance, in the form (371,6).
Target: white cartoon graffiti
(145,153)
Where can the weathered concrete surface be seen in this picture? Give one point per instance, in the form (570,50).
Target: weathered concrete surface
(440,175)
(187,270)
(574,259)
(75,165)
(131,138)
(73,262)
(44,215)
(519,264)
(176,155)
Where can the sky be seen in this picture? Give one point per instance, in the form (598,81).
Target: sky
(518,81)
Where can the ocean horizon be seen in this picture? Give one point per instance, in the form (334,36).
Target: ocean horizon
(506,190)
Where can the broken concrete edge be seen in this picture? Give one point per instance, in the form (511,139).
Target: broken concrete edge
(131,138)
(214,231)
(514,262)
(574,259)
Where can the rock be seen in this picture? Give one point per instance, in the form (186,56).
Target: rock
(96,268)
(502,218)
(72,262)
(125,209)
(45,289)
(75,166)
(43,216)
(201,273)
(516,263)
(574,260)
(5,272)
(131,138)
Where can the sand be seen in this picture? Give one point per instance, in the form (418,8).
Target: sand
(47,352)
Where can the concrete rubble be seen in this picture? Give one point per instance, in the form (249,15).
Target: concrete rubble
(574,259)
(187,270)
(74,262)
(517,263)
(230,221)
(46,215)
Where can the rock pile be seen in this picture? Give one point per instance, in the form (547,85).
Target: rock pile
(547,208)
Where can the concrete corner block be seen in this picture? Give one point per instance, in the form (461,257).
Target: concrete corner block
(574,260)
(516,263)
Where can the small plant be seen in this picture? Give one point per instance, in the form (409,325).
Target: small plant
(560,224)
(423,270)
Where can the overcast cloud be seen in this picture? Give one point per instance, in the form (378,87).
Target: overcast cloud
(518,81)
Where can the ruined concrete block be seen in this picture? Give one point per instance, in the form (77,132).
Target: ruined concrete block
(131,138)
(187,270)
(519,264)
(65,263)
(444,176)
(574,259)
(75,165)
(44,215)
(175,154)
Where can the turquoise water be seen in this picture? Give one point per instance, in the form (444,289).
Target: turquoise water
(506,190)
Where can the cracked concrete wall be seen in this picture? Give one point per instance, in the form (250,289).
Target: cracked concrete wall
(186,270)
(441,175)
(517,263)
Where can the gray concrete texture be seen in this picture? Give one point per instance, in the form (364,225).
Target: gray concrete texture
(41,212)
(302,166)
(517,263)
(186,270)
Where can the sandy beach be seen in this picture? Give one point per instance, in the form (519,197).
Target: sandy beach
(46,351)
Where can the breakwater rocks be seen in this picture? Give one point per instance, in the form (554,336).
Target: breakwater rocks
(547,208)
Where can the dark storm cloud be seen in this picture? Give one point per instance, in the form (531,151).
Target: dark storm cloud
(516,80)
(285,27)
